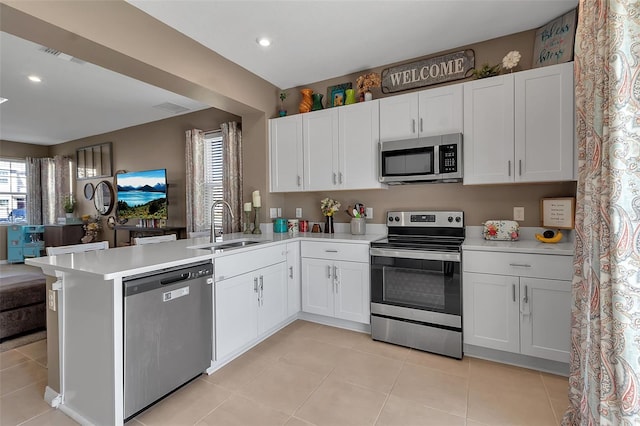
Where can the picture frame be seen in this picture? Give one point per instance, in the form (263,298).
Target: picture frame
(336,94)
(558,212)
(94,161)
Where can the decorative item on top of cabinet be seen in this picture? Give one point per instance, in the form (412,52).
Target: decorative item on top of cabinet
(317,101)
(366,82)
(350,97)
(282,112)
(306,102)
(336,94)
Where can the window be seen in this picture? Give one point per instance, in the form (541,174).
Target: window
(13,190)
(213,173)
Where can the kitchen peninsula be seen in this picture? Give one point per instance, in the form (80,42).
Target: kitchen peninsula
(90,307)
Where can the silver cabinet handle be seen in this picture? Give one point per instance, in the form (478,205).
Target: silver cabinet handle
(509,167)
(331,251)
(520,167)
(291,272)
(335,180)
(513,288)
(340,177)
(520,265)
(298,180)
(328,271)
(335,277)
(255,284)
(261,290)
(526,294)
(421,130)
(413,125)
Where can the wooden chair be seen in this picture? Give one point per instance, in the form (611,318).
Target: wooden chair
(152,240)
(77,248)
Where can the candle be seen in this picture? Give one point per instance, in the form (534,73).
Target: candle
(247,207)
(256,199)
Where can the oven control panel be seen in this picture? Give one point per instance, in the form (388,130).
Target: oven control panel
(449,219)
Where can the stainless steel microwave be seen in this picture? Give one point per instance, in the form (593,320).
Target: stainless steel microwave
(427,159)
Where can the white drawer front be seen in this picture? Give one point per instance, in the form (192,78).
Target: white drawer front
(335,251)
(519,264)
(240,263)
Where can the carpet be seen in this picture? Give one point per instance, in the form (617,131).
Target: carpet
(22,340)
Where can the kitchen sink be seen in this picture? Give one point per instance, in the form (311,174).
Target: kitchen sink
(229,245)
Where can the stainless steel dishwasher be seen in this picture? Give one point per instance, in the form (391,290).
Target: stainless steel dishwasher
(168,322)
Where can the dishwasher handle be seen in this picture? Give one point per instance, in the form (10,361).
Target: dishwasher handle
(176,279)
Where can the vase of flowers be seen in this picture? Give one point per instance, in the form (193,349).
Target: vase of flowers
(511,60)
(282,112)
(365,83)
(69,205)
(92,227)
(329,207)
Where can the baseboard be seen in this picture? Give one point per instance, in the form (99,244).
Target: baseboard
(519,360)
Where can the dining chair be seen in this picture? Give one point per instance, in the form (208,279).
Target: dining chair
(77,248)
(152,240)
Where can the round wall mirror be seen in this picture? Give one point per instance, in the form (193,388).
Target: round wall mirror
(103,197)
(88,191)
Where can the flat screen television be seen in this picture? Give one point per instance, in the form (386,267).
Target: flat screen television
(142,195)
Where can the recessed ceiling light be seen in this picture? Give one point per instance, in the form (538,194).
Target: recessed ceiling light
(263,41)
(3,100)
(35,78)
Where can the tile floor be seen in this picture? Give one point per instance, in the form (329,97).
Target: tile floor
(310,374)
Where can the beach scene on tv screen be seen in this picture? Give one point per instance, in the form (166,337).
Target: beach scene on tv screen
(142,195)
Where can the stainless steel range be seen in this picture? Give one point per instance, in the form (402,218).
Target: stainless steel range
(416,284)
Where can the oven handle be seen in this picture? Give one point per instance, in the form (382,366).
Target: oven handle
(423,255)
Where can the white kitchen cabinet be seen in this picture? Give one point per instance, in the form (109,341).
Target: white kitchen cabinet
(250,297)
(293,278)
(520,127)
(336,288)
(320,136)
(518,303)
(341,147)
(285,150)
(425,113)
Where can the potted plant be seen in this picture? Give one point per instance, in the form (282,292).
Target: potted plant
(282,112)
(69,205)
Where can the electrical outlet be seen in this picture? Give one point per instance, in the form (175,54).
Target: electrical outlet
(52,300)
(368,212)
(298,212)
(518,213)
(273,213)
(279,212)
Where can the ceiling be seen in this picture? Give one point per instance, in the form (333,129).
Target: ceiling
(312,40)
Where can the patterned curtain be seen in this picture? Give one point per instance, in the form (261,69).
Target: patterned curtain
(232,176)
(49,180)
(604,382)
(196,212)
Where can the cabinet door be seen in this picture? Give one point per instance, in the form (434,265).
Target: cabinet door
(399,117)
(273,297)
(352,291)
(545,318)
(236,313)
(285,150)
(293,278)
(440,110)
(358,147)
(544,124)
(488,131)
(317,286)
(490,311)
(320,135)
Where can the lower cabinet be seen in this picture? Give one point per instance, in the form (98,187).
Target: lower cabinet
(293,278)
(336,288)
(250,304)
(513,313)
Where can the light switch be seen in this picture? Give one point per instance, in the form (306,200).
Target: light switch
(518,213)
(368,212)
(279,212)
(52,300)
(298,212)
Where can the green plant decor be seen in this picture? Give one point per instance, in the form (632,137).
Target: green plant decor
(69,204)
(486,71)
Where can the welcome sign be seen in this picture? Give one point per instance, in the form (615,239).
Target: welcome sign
(449,67)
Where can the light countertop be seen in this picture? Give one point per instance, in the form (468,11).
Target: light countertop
(133,260)
(526,244)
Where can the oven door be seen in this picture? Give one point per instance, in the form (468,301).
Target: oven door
(422,286)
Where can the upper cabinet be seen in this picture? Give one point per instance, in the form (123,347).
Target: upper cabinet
(425,113)
(520,127)
(329,149)
(285,150)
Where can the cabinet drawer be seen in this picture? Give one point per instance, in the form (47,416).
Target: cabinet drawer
(335,251)
(241,263)
(519,264)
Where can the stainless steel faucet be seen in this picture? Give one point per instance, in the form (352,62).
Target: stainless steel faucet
(212,238)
